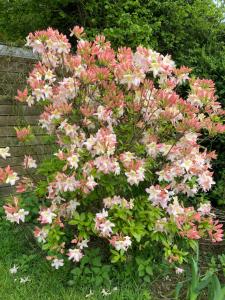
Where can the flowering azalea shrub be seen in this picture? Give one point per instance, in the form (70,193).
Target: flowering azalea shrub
(129,166)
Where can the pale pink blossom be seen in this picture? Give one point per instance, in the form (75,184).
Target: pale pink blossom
(121,243)
(205,181)
(158,196)
(12,178)
(75,255)
(175,209)
(117,200)
(205,208)
(83,244)
(73,160)
(135,176)
(179,270)
(91,183)
(160,225)
(72,206)
(47,216)
(107,165)
(106,228)
(29,162)
(41,234)
(17,216)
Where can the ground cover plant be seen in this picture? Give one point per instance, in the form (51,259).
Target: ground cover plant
(130,168)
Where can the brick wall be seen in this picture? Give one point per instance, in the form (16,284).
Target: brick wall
(15,65)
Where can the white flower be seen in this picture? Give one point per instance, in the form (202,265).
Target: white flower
(70,184)
(47,91)
(22,214)
(135,176)
(72,205)
(41,234)
(49,75)
(152,149)
(58,200)
(160,225)
(73,161)
(38,94)
(17,216)
(102,215)
(14,269)
(30,100)
(24,280)
(12,178)
(123,244)
(91,183)
(46,216)
(83,244)
(57,263)
(179,270)
(12,217)
(75,255)
(187,164)
(175,209)
(164,149)
(90,142)
(90,294)
(106,228)
(4,152)
(105,293)
(205,181)
(29,162)
(205,208)
(158,196)
(117,200)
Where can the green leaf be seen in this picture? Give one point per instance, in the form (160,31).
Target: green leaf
(203,283)
(147,278)
(106,268)
(178,289)
(98,280)
(105,275)
(96,270)
(96,262)
(76,271)
(149,270)
(87,271)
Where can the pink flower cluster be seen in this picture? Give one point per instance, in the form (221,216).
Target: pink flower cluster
(8,176)
(14,213)
(118,116)
(104,226)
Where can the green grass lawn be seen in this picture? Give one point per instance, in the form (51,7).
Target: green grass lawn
(19,247)
(46,283)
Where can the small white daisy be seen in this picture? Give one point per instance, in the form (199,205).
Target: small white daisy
(14,269)
(89,295)
(105,293)
(24,280)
